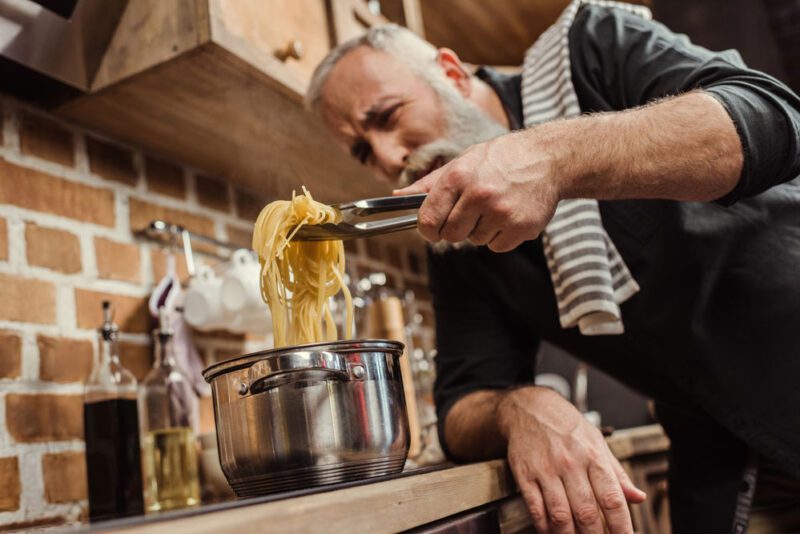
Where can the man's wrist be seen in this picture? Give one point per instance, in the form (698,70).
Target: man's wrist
(512,403)
(565,160)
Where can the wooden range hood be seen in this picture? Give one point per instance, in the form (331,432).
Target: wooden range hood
(219,84)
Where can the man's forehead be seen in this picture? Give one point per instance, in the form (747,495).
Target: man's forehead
(360,79)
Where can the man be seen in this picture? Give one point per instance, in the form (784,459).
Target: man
(693,157)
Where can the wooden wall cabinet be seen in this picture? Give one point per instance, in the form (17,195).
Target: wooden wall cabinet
(218,84)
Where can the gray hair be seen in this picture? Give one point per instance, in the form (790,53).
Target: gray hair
(400,42)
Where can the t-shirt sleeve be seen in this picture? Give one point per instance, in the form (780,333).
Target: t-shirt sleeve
(626,61)
(478,345)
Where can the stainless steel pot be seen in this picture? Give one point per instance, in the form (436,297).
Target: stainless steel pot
(310,415)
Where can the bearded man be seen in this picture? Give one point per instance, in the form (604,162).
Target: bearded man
(643,214)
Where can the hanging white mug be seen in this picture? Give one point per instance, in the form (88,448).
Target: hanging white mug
(202,304)
(241,289)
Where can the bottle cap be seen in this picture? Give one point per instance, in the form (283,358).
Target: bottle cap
(109,329)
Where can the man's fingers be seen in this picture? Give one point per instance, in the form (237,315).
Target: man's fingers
(585,510)
(608,494)
(461,221)
(504,241)
(559,514)
(632,493)
(434,211)
(485,231)
(535,502)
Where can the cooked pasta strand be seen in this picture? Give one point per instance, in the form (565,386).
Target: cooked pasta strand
(299,277)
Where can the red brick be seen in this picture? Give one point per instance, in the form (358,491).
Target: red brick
(10,355)
(240,237)
(111,162)
(3,240)
(117,261)
(64,476)
(130,313)
(374,249)
(142,213)
(165,178)
(27,300)
(38,191)
(53,249)
(158,258)
(136,358)
(351,245)
(44,417)
(45,139)
(394,256)
(248,205)
(64,359)
(10,488)
(212,193)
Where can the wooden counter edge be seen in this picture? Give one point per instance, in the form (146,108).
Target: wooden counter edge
(388,506)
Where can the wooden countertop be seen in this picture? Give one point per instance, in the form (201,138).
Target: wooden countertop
(387,506)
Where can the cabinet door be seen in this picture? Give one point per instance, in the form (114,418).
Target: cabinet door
(292,32)
(351,18)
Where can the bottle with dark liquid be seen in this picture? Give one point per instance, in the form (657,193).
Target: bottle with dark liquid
(111,430)
(168,408)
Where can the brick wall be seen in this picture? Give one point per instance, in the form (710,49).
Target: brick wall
(69,203)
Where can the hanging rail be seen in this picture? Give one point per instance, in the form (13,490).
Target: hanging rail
(162,231)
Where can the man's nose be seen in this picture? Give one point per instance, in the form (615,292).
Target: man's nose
(390,156)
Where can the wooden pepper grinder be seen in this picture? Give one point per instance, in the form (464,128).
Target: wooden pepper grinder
(385,321)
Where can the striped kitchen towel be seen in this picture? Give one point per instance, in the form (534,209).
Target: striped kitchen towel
(589,276)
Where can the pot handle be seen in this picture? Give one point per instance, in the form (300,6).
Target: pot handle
(294,366)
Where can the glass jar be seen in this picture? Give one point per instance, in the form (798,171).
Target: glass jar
(168,412)
(111,432)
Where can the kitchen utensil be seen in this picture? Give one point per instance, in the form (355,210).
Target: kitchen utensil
(352,227)
(310,415)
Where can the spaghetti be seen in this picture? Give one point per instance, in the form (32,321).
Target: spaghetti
(298,278)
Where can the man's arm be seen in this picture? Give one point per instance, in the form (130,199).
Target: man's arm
(733,133)
(504,192)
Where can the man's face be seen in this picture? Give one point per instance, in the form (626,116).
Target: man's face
(380,111)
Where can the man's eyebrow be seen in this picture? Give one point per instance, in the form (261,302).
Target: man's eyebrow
(372,114)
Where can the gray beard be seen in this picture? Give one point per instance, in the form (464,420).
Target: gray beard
(466,126)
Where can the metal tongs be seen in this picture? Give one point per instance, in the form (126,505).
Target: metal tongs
(351,227)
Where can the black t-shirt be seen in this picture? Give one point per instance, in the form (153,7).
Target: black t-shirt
(714,334)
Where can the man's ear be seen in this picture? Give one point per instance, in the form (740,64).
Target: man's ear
(455,70)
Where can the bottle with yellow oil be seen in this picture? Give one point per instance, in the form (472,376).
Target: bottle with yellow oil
(168,411)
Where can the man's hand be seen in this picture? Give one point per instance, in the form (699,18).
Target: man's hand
(568,477)
(498,193)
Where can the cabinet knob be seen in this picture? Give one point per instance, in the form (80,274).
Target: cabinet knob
(293,49)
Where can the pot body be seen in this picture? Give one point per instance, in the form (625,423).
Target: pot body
(310,415)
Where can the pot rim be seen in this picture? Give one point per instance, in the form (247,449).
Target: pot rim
(339,347)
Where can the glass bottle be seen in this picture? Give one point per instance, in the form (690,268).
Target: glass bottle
(111,431)
(168,411)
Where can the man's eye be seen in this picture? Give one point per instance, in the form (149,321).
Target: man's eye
(385,116)
(361,152)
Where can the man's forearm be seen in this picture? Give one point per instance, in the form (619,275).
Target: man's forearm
(471,427)
(682,148)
